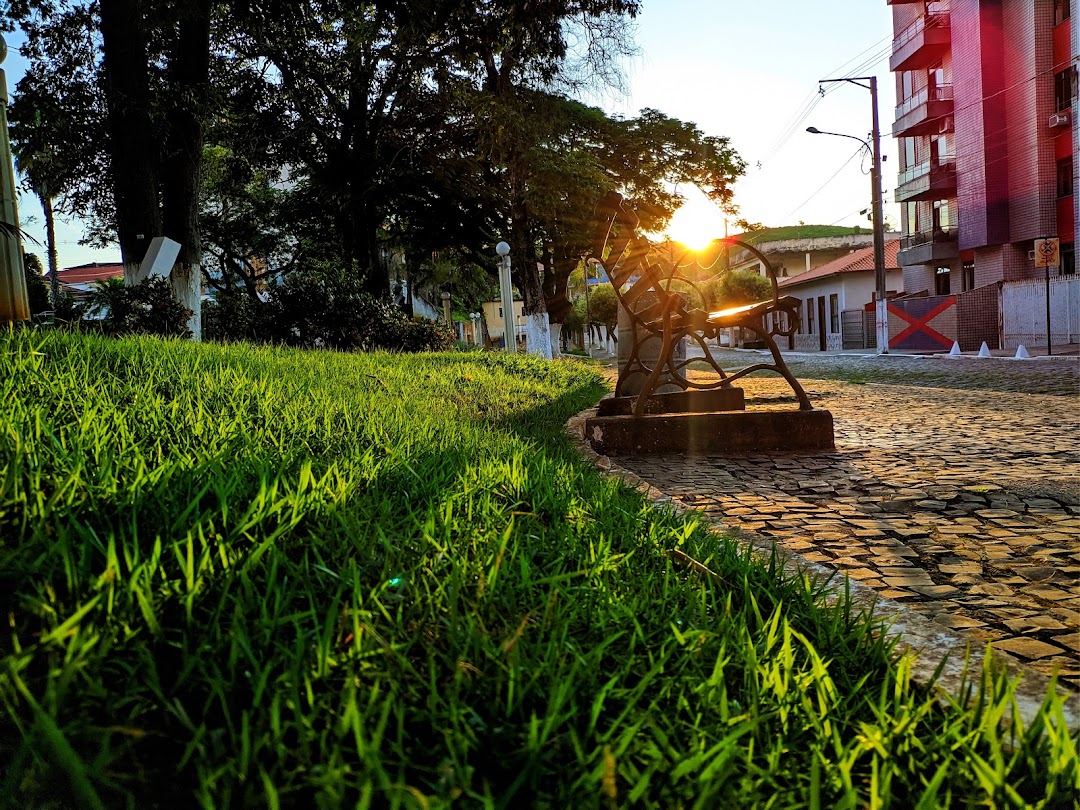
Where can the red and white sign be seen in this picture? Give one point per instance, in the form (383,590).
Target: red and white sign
(1047,253)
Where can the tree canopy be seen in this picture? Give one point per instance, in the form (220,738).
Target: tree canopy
(396,140)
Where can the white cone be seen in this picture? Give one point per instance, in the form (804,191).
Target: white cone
(1022,353)
(955,352)
(984,350)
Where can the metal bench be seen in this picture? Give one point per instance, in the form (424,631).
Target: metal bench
(659,310)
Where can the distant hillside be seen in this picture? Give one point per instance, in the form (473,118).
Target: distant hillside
(798,232)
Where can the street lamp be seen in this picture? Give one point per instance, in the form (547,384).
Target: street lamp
(881,306)
(507,292)
(14,304)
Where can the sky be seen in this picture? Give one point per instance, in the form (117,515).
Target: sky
(747,71)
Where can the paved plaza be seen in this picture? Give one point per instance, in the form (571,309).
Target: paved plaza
(954,488)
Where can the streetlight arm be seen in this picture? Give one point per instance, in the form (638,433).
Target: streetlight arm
(816,131)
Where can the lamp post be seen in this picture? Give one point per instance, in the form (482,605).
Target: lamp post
(507,291)
(14,304)
(881,306)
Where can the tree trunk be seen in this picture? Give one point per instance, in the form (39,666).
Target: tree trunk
(50,249)
(189,68)
(131,137)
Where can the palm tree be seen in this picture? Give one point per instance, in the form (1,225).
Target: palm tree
(38,169)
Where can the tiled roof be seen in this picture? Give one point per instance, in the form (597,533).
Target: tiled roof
(87,273)
(856,262)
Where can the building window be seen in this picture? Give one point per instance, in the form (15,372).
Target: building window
(810,315)
(967,273)
(1065,177)
(834,313)
(942,221)
(1062,11)
(909,152)
(912,217)
(941,281)
(1065,88)
(1068,259)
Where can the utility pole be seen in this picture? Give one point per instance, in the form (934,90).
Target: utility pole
(14,304)
(881,306)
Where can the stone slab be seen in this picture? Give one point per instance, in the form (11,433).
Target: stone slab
(719,399)
(698,433)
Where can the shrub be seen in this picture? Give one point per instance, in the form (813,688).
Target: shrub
(738,288)
(328,309)
(144,308)
(37,290)
(419,334)
(233,315)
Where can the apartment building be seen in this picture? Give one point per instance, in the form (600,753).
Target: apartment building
(986,123)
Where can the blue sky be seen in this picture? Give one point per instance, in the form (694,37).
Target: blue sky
(745,70)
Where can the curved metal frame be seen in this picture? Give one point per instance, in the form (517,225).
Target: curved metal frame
(671,320)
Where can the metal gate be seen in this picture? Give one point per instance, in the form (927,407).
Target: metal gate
(1023,312)
(853,329)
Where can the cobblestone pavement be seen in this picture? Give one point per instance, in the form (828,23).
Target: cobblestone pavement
(1056,375)
(962,503)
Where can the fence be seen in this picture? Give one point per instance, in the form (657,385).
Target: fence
(1023,312)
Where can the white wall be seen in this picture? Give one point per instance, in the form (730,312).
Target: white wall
(855,291)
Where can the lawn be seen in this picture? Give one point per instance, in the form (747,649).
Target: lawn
(240,576)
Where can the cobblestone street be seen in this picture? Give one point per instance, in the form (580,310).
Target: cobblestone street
(961,499)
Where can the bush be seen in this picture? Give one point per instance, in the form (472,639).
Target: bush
(37,289)
(144,308)
(738,288)
(233,315)
(417,335)
(326,309)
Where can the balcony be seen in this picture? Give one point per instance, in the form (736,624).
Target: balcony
(928,247)
(925,113)
(924,42)
(932,180)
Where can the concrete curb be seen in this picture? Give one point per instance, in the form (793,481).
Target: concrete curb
(929,644)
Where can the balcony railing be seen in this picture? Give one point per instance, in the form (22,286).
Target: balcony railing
(944,163)
(936,16)
(913,240)
(924,41)
(940,92)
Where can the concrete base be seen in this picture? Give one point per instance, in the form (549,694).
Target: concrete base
(701,433)
(718,399)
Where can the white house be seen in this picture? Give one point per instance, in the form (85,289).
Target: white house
(837,309)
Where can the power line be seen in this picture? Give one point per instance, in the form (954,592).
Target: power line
(823,185)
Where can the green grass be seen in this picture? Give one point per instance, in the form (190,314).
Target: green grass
(798,232)
(239,576)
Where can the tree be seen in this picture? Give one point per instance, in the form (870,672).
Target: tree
(44,171)
(156,130)
(132,79)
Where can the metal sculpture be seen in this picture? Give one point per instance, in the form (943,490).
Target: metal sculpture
(658,311)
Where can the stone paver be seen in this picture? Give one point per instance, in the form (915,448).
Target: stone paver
(961,502)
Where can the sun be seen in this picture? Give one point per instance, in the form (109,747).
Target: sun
(696,225)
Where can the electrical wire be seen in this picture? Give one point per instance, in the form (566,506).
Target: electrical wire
(826,183)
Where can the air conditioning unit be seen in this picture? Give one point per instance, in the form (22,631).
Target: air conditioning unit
(946,125)
(1061,119)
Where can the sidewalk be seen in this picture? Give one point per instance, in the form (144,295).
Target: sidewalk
(962,504)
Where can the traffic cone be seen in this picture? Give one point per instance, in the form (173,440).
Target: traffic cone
(955,352)
(984,350)
(1022,353)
